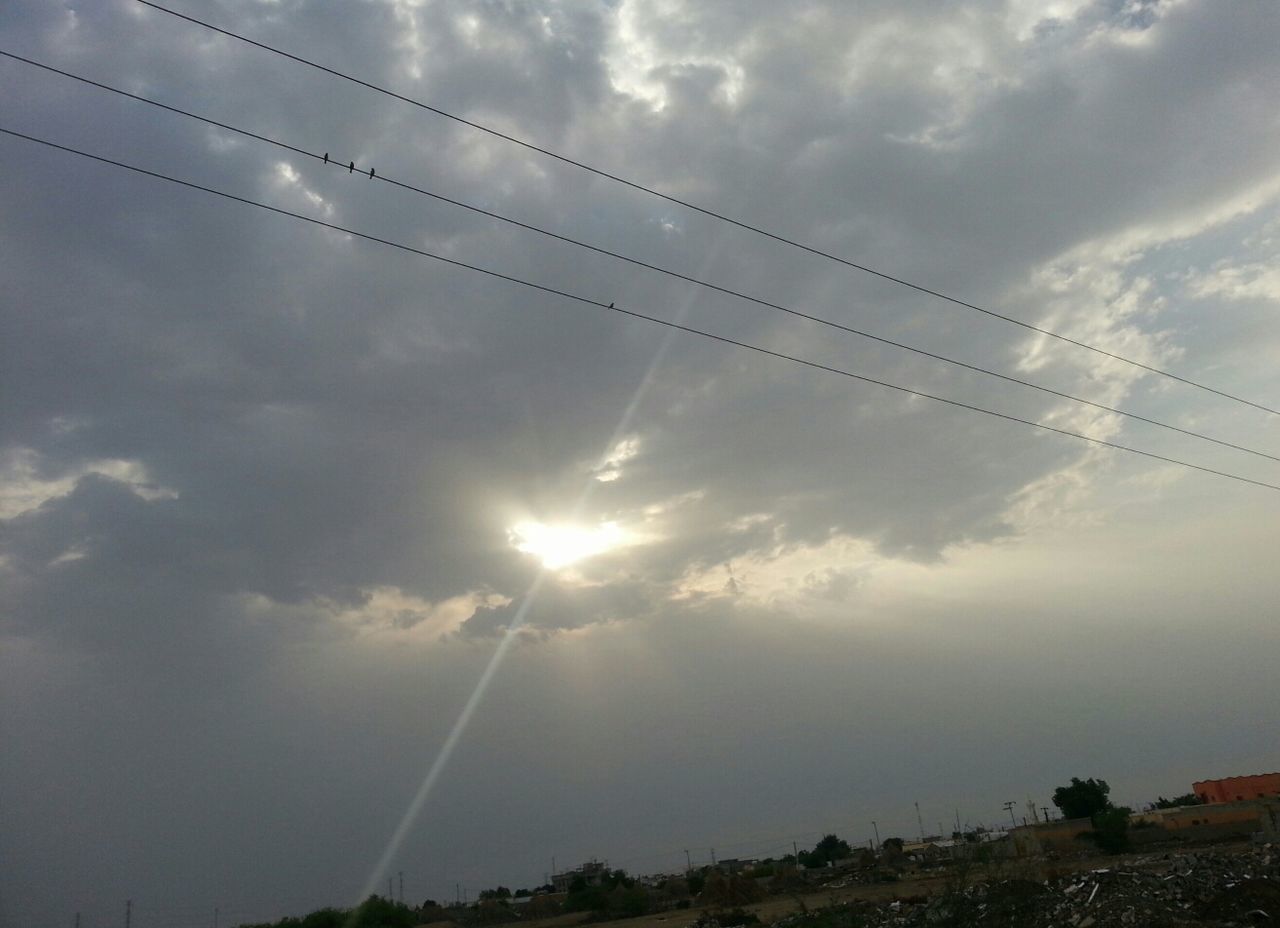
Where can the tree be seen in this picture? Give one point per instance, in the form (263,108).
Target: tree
(733,890)
(825,851)
(1083,798)
(431,911)
(1111,829)
(374,912)
(628,901)
(617,896)
(696,882)
(324,918)
(616,893)
(891,852)
(542,905)
(584,898)
(1091,799)
(1187,799)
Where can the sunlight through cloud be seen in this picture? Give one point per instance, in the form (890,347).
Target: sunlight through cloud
(561,545)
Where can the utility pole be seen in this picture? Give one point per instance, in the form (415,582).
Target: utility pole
(402,887)
(688,861)
(1045,810)
(957,820)
(128,912)
(713,857)
(457,893)
(877,830)
(795,852)
(1008,807)
(920,822)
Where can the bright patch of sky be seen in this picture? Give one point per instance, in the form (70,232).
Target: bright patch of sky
(23,486)
(558,546)
(248,469)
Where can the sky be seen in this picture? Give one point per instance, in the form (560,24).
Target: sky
(280,506)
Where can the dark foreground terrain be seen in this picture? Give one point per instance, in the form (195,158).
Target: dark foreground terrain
(1176,890)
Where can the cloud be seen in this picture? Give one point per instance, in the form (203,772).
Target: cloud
(1237,282)
(258,481)
(23,488)
(610,468)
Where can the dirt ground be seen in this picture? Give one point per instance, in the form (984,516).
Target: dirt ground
(770,909)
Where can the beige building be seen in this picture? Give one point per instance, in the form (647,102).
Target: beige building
(1207,822)
(1217,822)
(1060,837)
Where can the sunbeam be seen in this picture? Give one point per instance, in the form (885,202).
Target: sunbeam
(433,774)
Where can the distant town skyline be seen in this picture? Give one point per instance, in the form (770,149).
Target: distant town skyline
(323,560)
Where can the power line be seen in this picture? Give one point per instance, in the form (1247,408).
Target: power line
(337,162)
(919,288)
(498,275)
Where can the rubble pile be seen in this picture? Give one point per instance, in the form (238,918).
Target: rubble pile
(1190,890)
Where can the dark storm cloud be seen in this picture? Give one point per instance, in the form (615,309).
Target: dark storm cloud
(225,435)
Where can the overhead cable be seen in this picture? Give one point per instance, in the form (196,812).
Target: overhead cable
(706,211)
(587,301)
(351,168)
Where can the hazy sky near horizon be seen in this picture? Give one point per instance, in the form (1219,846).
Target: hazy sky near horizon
(271,496)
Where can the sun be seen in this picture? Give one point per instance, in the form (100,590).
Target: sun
(561,545)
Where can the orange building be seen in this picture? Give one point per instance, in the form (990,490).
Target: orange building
(1238,789)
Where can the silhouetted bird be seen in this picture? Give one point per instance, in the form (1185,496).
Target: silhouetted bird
(326,157)
(351,167)
(611,306)
(370,173)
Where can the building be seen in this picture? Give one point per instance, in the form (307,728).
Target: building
(862,859)
(1062,836)
(1205,823)
(1238,789)
(592,873)
(924,851)
(1212,822)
